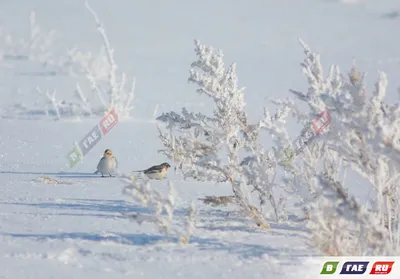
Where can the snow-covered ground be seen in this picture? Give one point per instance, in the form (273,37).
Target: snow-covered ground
(75,229)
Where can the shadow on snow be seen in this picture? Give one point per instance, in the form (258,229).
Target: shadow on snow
(111,206)
(86,205)
(60,174)
(243,250)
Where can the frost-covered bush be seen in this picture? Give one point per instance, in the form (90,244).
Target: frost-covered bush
(224,146)
(100,86)
(92,83)
(162,209)
(363,138)
(37,48)
(109,87)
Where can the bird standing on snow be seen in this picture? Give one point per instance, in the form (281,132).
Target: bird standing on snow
(108,164)
(156,172)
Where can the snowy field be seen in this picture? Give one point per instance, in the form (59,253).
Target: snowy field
(75,229)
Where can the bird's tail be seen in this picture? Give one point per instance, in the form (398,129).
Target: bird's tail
(136,171)
(96,172)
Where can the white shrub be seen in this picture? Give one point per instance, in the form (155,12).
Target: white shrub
(38,47)
(141,192)
(97,83)
(225,146)
(109,86)
(363,138)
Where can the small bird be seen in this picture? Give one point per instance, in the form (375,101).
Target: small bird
(156,172)
(108,164)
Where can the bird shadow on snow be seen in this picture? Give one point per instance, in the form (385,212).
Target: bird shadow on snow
(60,174)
